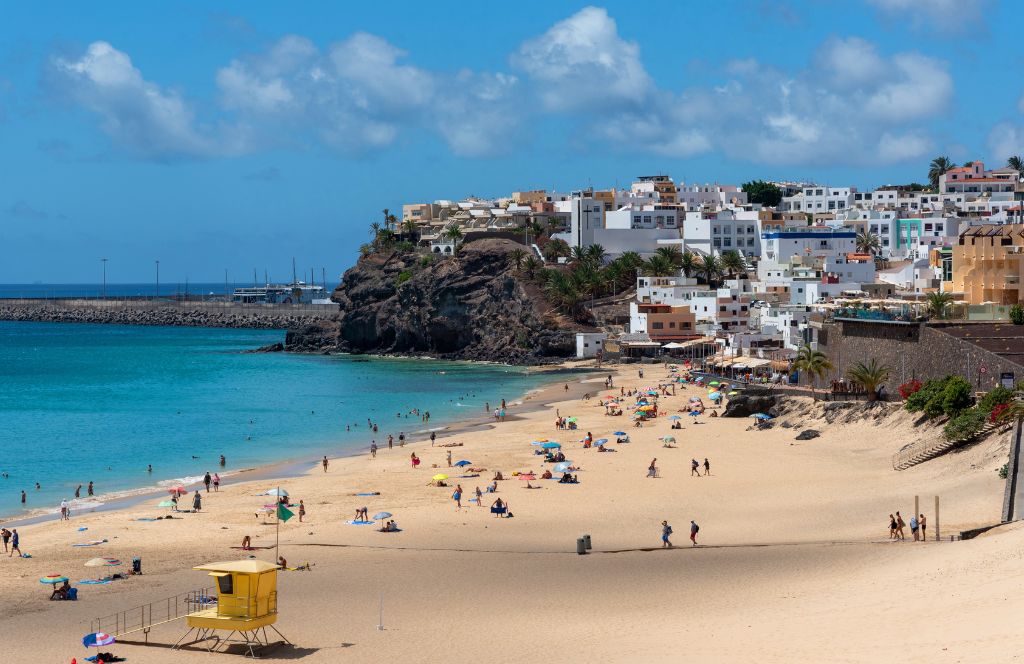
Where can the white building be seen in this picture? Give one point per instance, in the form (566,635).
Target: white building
(695,196)
(816,198)
(588,344)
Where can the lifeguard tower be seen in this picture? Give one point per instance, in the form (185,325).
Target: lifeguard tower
(246,605)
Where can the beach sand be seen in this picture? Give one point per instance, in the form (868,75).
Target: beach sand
(794,563)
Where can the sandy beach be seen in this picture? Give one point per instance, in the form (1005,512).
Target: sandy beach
(794,561)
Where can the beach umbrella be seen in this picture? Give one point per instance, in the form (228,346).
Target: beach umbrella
(97,640)
(439,477)
(527,476)
(714,382)
(733,393)
(177,490)
(562,467)
(102,562)
(166,503)
(715,396)
(600,441)
(761,416)
(694,413)
(652,393)
(669,439)
(571,419)
(694,399)
(53,579)
(380,516)
(619,433)
(462,462)
(550,446)
(275,492)
(675,417)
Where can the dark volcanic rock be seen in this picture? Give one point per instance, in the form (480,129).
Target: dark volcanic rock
(808,434)
(745,405)
(272,348)
(471,306)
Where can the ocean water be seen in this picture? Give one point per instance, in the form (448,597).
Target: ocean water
(166,289)
(81,403)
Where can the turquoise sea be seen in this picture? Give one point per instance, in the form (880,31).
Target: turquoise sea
(81,403)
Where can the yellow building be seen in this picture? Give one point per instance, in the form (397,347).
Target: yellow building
(532,197)
(246,604)
(988,264)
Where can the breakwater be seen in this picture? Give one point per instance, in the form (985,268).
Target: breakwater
(138,311)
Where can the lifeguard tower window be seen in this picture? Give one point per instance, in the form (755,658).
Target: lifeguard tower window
(225,585)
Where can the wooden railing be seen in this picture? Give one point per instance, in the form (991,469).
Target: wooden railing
(929,448)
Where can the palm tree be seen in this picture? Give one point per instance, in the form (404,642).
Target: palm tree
(659,266)
(672,254)
(387,214)
(578,255)
(409,227)
(530,266)
(564,293)
(556,249)
(937,303)
(596,254)
(733,262)
(1017,164)
(375,229)
(869,376)
(938,167)
(688,263)
(630,260)
(454,234)
(516,257)
(868,243)
(812,362)
(710,268)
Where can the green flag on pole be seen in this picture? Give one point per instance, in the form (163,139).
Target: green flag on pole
(283,513)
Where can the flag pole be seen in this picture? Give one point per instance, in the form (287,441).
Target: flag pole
(277,527)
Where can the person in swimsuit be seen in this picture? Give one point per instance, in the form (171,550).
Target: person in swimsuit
(707,466)
(899,526)
(457,496)
(15,543)
(216,482)
(302,510)
(325,462)
(892,527)
(5,535)
(923,525)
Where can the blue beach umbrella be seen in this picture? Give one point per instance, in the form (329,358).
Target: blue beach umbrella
(382,515)
(562,467)
(551,446)
(97,640)
(715,396)
(694,413)
(462,462)
(600,441)
(675,417)
(619,433)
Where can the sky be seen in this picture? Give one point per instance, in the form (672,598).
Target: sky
(233,136)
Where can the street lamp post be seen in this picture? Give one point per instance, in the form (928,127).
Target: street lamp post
(158,280)
(104,261)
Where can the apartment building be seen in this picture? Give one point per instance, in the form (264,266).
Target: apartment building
(988,264)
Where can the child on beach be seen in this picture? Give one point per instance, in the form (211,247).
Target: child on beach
(302,510)
(666,530)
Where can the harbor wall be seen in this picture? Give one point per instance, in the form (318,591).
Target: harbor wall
(140,311)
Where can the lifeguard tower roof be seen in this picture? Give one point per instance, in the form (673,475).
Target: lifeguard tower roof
(239,567)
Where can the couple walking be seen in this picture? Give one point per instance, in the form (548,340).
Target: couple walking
(918,527)
(666,532)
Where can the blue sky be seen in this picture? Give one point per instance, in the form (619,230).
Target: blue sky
(235,135)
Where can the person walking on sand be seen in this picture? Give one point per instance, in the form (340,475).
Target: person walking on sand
(707,466)
(433,437)
(899,526)
(89,490)
(15,543)
(922,523)
(216,482)
(373,449)
(391,442)
(207,480)
(892,527)
(694,468)
(694,529)
(324,463)
(5,535)
(652,469)
(64,510)
(449,458)
(302,510)
(666,531)
(457,496)
(414,460)
(913,526)
(479,497)
(197,502)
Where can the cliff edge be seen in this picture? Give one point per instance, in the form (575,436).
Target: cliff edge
(470,307)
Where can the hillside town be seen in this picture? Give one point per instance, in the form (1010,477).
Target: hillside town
(743,276)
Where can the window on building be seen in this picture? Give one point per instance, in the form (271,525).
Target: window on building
(657,326)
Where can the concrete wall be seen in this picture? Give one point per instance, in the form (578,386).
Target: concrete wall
(912,350)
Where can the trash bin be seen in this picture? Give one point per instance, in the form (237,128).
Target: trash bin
(581,546)
(136,565)
(586,540)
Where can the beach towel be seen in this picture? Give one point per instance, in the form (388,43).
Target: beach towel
(252,548)
(81,529)
(369,493)
(92,543)
(95,582)
(359,523)
(147,518)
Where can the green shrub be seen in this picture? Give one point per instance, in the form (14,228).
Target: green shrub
(996,396)
(426,261)
(406,246)
(1004,471)
(1017,314)
(956,397)
(403,276)
(965,426)
(928,392)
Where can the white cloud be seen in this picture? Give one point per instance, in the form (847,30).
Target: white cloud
(137,114)
(1005,140)
(903,147)
(948,16)
(478,114)
(582,61)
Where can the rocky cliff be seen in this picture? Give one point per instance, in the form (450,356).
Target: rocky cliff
(472,306)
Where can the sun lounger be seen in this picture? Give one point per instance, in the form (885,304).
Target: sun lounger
(369,493)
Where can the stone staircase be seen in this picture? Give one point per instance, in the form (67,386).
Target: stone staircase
(929,448)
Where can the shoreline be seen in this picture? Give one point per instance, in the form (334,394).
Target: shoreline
(293,467)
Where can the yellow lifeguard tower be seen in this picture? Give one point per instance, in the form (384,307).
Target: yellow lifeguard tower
(246,605)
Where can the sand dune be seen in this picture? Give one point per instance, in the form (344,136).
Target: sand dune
(794,565)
